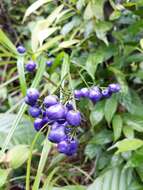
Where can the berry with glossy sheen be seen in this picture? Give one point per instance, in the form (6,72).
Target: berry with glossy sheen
(49,63)
(95,94)
(21,49)
(106,93)
(84,92)
(50,101)
(33,94)
(29,101)
(77,94)
(34,111)
(115,87)
(68,147)
(73,118)
(57,134)
(69,106)
(30,66)
(38,124)
(56,112)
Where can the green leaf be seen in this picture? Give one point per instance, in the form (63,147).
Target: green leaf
(110,108)
(24,133)
(88,13)
(97,113)
(5,42)
(20,67)
(128,132)
(46,149)
(67,44)
(128,145)
(42,25)
(70,187)
(134,122)
(18,155)
(117,124)
(91,150)
(3,176)
(113,179)
(97,7)
(103,137)
(36,5)
(101,28)
(15,123)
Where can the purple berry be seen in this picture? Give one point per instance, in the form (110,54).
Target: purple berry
(50,101)
(72,147)
(34,111)
(84,92)
(95,94)
(69,106)
(33,94)
(30,66)
(38,124)
(77,94)
(57,134)
(21,49)
(29,101)
(73,118)
(106,93)
(68,147)
(115,87)
(49,63)
(56,112)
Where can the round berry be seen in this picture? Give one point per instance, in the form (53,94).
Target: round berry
(73,118)
(73,146)
(69,106)
(30,66)
(56,112)
(21,49)
(115,87)
(106,93)
(77,94)
(29,101)
(63,147)
(38,124)
(34,111)
(84,92)
(49,63)
(50,101)
(57,134)
(33,94)
(95,94)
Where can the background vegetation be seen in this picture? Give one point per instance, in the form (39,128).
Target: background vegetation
(99,42)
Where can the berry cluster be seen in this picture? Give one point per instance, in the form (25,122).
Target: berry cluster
(95,94)
(31,65)
(62,119)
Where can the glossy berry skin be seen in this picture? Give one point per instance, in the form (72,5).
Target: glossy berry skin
(57,134)
(115,87)
(69,106)
(49,63)
(21,49)
(33,94)
(77,94)
(38,124)
(34,111)
(95,94)
(68,147)
(50,101)
(73,118)
(30,66)
(84,92)
(56,112)
(106,93)
(29,101)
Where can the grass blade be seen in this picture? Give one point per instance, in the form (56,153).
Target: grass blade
(20,67)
